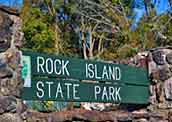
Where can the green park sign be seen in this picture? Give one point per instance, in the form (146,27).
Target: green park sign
(50,77)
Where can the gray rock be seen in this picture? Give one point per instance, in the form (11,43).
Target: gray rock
(168,89)
(7,104)
(2,63)
(169,58)
(170,116)
(5,31)
(141,120)
(18,35)
(158,57)
(155,76)
(18,39)
(157,120)
(124,119)
(5,73)
(4,70)
(164,73)
(9,117)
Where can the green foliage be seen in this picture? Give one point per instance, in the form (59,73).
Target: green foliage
(164,24)
(39,35)
(107,18)
(46,106)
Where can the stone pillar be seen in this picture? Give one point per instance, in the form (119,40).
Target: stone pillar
(11,84)
(160,71)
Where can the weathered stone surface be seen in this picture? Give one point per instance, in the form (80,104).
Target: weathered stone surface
(5,31)
(124,119)
(169,58)
(170,116)
(10,79)
(165,73)
(152,66)
(77,115)
(7,104)
(155,76)
(140,120)
(168,89)
(9,117)
(97,116)
(9,10)
(156,120)
(140,114)
(18,36)
(5,72)
(158,57)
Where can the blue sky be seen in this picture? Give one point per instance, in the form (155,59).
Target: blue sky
(12,2)
(160,5)
(139,10)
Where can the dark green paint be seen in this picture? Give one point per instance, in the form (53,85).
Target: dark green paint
(128,93)
(76,67)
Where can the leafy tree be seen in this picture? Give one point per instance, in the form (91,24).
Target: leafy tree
(40,27)
(90,28)
(104,29)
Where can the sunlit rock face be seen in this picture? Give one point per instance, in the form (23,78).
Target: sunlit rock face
(10,31)
(5,31)
(160,70)
(10,41)
(11,84)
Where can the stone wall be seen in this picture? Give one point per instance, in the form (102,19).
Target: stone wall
(11,105)
(160,71)
(12,108)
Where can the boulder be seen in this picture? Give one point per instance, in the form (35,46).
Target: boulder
(5,31)
(168,89)
(9,117)
(124,119)
(16,28)
(7,104)
(158,57)
(164,73)
(170,116)
(169,58)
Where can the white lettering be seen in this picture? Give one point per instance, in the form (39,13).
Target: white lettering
(97,90)
(40,64)
(117,94)
(75,91)
(105,94)
(56,62)
(96,73)
(111,73)
(59,90)
(64,67)
(49,88)
(118,73)
(111,93)
(105,73)
(68,89)
(86,70)
(49,61)
(40,94)
(90,69)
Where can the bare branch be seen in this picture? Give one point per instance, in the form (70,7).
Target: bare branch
(123,11)
(97,20)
